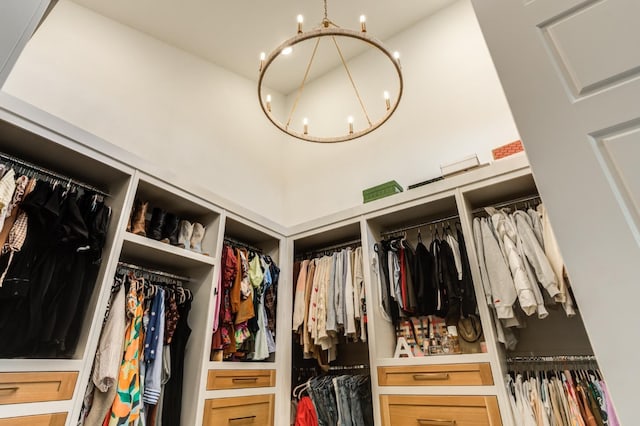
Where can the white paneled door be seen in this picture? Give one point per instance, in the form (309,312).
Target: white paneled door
(571,73)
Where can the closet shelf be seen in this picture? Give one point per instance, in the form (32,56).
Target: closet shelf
(21,364)
(154,253)
(435,359)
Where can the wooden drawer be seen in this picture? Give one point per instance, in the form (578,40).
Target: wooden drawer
(256,410)
(408,410)
(436,375)
(56,419)
(240,379)
(39,386)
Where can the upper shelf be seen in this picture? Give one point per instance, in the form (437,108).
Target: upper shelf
(152,253)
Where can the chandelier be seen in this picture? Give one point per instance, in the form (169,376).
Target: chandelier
(351,129)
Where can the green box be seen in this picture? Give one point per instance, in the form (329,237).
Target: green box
(381,191)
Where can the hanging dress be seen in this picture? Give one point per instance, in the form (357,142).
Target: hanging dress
(128,402)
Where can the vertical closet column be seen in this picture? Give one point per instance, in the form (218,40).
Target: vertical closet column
(427,341)
(58,220)
(330,369)
(247,341)
(163,285)
(544,354)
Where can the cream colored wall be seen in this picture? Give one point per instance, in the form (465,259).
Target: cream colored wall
(194,117)
(453,105)
(165,105)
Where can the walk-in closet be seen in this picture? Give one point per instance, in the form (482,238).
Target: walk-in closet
(435,224)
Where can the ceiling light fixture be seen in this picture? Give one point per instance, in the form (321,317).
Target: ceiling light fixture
(331,32)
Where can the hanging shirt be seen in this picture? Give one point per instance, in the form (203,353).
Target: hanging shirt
(455,248)
(349,305)
(153,352)
(298,304)
(332,324)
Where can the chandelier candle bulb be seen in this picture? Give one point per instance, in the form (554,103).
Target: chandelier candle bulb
(300,21)
(387,99)
(350,121)
(363,23)
(269,103)
(263,56)
(305,123)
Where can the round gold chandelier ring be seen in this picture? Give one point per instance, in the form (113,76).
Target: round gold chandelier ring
(328,32)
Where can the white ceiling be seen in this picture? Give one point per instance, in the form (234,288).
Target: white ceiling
(232,33)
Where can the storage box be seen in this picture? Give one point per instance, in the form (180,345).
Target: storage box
(460,165)
(381,191)
(507,150)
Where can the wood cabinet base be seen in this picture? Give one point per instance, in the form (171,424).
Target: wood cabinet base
(423,410)
(55,419)
(255,410)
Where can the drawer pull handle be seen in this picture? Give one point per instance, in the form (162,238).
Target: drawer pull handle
(244,379)
(248,419)
(431,376)
(11,389)
(436,422)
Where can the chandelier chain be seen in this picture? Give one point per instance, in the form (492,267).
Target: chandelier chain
(304,80)
(353,84)
(326,14)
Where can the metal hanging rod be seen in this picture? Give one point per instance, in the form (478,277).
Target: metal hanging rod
(508,203)
(334,247)
(420,225)
(237,243)
(554,358)
(153,271)
(50,173)
(348,367)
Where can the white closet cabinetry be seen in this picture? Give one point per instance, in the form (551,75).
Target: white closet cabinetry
(469,384)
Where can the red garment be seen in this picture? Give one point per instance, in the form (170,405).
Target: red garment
(306,413)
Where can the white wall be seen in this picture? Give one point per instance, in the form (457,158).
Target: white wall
(167,106)
(191,116)
(453,106)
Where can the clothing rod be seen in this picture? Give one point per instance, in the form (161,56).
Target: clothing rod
(420,225)
(508,203)
(235,242)
(50,173)
(348,367)
(153,271)
(333,247)
(554,358)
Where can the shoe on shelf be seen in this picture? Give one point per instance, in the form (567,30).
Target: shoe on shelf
(170,229)
(185,230)
(157,223)
(138,218)
(196,237)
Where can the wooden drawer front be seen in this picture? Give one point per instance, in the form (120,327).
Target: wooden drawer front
(405,410)
(16,388)
(254,410)
(436,375)
(56,419)
(240,379)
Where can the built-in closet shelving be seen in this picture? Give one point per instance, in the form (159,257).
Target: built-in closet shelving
(353,358)
(200,269)
(46,149)
(238,391)
(217,391)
